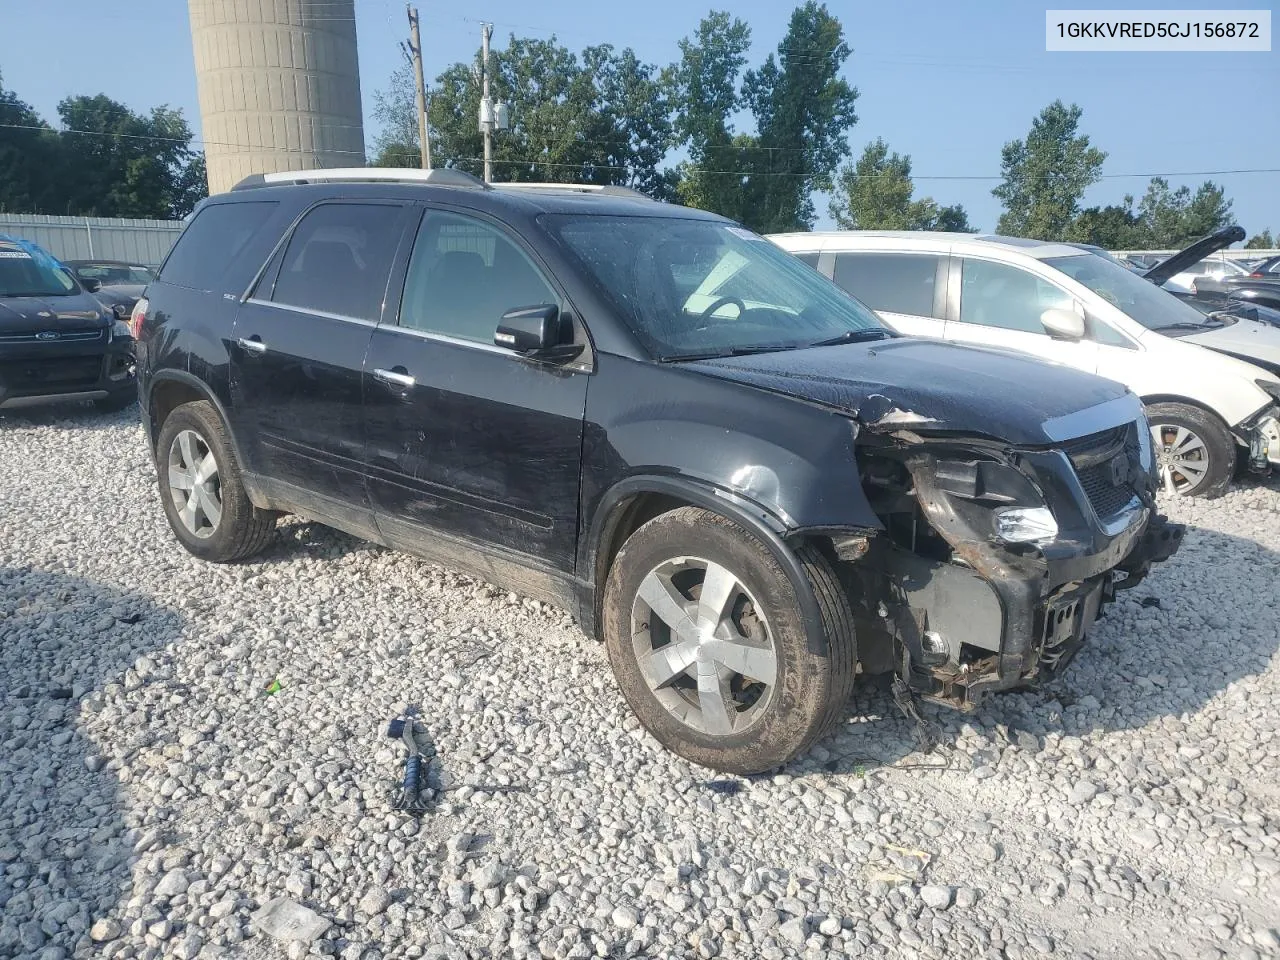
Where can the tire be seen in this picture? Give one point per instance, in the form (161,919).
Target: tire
(120,400)
(1196,440)
(750,727)
(192,432)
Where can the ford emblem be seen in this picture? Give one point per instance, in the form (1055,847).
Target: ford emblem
(48,335)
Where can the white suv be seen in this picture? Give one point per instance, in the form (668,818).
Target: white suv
(1068,305)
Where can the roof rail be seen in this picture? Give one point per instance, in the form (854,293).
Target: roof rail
(602,189)
(441,176)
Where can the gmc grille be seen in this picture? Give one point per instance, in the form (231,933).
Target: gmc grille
(1099,459)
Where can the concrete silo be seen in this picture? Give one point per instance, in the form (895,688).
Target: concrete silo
(279,86)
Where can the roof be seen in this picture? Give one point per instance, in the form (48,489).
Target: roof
(105,262)
(1040,249)
(457,187)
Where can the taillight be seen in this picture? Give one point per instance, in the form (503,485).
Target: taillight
(138,317)
(1256,273)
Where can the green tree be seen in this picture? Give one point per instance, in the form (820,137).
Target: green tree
(1173,218)
(116,163)
(1113,227)
(28,149)
(1261,241)
(602,119)
(803,110)
(876,194)
(703,88)
(1045,175)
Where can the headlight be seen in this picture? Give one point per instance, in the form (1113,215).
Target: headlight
(1025,524)
(1270,387)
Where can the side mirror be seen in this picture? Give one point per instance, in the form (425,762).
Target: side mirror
(1063,324)
(536,333)
(91,284)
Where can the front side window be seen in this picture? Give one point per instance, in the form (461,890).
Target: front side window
(27,271)
(690,288)
(1139,299)
(338,260)
(464,274)
(1008,297)
(892,282)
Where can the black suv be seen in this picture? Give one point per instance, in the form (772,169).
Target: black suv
(56,341)
(730,471)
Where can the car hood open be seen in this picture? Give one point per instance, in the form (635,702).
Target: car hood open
(928,387)
(1193,254)
(24,314)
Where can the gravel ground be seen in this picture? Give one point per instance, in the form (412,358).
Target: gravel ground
(154,796)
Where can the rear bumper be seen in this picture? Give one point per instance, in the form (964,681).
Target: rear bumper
(35,377)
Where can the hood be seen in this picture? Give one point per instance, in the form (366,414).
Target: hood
(928,387)
(1245,339)
(75,312)
(1194,254)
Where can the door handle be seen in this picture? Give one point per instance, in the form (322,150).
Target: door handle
(394,378)
(254,346)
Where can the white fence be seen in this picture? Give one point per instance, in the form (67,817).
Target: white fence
(88,238)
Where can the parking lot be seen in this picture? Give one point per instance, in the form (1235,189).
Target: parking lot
(156,794)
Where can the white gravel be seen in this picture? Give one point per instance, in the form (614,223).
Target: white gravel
(153,797)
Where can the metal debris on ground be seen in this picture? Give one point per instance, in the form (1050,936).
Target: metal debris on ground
(413,796)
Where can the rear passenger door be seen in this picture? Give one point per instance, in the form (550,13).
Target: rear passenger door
(907,289)
(1000,306)
(465,438)
(298,352)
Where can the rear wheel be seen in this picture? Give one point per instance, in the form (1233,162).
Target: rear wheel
(706,637)
(1195,454)
(200,486)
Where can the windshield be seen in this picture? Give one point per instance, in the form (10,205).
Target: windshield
(27,271)
(691,288)
(1139,299)
(114,274)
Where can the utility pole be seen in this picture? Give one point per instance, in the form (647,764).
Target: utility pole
(487,120)
(415,46)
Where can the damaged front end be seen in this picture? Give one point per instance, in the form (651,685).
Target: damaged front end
(995,559)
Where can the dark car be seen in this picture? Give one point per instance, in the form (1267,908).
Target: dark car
(117,283)
(57,342)
(1268,269)
(1259,288)
(722,465)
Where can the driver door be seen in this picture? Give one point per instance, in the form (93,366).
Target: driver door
(1000,306)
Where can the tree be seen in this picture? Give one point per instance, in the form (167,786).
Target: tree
(602,119)
(1113,227)
(1045,176)
(803,110)
(116,163)
(1261,241)
(875,194)
(1173,218)
(28,147)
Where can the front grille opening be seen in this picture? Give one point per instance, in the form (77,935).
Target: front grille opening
(1099,460)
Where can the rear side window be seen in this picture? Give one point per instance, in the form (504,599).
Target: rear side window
(892,282)
(212,241)
(339,258)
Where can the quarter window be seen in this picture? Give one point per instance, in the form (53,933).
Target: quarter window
(892,282)
(338,260)
(464,274)
(1000,295)
(212,241)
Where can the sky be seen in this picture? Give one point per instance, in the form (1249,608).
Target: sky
(947,83)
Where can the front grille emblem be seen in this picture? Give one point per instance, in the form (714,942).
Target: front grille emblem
(1119,471)
(48,335)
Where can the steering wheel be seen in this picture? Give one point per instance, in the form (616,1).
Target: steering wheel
(705,316)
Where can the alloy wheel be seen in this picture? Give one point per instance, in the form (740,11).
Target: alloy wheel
(1181,457)
(194,484)
(703,645)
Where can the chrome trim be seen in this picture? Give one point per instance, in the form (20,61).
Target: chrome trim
(14,402)
(445,338)
(324,315)
(1130,513)
(402,380)
(256,347)
(1095,419)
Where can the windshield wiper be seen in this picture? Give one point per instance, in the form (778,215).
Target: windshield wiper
(1207,324)
(731,352)
(854,336)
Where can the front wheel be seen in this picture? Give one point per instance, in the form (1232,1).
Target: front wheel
(1195,454)
(706,637)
